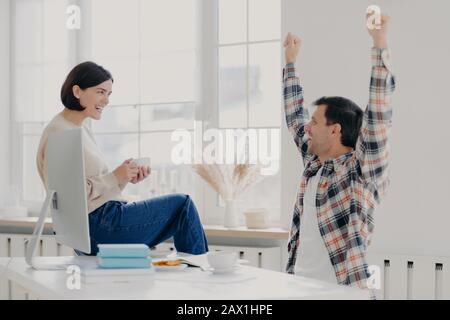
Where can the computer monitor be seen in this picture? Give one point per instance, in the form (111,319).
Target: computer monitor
(66,195)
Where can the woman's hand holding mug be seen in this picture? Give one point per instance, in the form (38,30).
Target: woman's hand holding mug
(126,172)
(144,169)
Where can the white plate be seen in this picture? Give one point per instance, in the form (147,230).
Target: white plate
(171,268)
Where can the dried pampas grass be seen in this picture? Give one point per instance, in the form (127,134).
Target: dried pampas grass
(230,181)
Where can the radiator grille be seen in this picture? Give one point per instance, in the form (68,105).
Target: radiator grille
(412,277)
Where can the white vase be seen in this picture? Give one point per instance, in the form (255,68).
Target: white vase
(231,219)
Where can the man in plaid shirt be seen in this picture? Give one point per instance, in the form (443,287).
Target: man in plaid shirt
(345,155)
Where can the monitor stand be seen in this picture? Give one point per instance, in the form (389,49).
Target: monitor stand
(33,243)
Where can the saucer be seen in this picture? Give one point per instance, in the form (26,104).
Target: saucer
(222,271)
(171,268)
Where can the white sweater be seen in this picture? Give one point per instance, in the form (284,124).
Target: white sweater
(101,184)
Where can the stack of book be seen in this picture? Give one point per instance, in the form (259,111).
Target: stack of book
(124,256)
(119,263)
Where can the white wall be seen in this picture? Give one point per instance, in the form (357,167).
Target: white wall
(4,98)
(414,217)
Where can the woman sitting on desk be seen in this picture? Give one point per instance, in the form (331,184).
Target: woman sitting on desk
(85,93)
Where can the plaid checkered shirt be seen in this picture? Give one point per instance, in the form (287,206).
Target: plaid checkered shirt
(352,184)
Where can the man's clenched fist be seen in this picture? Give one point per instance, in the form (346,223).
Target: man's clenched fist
(291,47)
(379,33)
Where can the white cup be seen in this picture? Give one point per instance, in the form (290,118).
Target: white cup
(222,260)
(256,218)
(146,162)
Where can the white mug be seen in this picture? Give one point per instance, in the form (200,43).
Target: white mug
(222,260)
(146,162)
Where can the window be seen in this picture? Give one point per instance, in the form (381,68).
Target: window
(154,82)
(154,85)
(166,77)
(249,83)
(249,63)
(40,61)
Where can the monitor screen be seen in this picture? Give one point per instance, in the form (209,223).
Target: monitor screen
(66,176)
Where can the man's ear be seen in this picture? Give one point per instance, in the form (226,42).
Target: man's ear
(336,128)
(76,90)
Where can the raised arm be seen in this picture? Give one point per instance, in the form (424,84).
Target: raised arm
(296,115)
(372,145)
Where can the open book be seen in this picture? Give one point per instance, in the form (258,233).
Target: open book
(193,260)
(200,260)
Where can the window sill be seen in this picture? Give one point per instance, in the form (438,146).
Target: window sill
(26,226)
(23,225)
(244,232)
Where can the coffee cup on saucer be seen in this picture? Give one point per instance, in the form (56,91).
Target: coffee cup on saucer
(222,261)
(144,162)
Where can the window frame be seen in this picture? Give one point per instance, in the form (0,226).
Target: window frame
(212,202)
(207,64)
(79,43)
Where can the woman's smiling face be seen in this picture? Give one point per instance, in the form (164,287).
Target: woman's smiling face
(94,99)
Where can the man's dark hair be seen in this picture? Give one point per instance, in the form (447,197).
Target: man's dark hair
(85,75)
(345,112)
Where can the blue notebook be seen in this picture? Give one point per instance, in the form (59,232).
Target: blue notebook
(138,250)
(124,262)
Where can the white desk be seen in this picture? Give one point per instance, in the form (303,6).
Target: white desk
(191,283)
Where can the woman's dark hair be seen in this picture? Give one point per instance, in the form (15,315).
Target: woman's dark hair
(347,114)
(85,75)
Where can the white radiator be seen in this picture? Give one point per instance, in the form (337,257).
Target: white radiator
(412,277)
(13,245)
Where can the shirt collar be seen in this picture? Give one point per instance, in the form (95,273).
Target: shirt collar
(329,165)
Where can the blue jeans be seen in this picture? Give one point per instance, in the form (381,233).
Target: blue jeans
(149,221)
